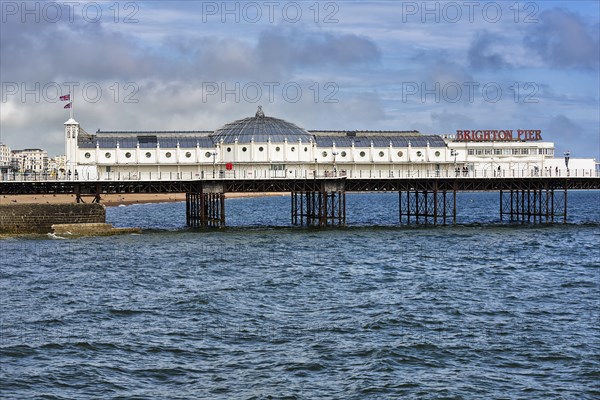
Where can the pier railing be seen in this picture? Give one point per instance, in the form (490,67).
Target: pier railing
(247,174)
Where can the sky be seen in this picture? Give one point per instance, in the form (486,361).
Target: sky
(436,67)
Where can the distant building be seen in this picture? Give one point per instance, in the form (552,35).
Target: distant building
(57,165)
(5,158)
(29,161)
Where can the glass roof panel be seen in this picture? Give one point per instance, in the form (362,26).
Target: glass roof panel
(260,129)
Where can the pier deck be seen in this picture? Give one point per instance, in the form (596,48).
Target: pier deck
(322,201)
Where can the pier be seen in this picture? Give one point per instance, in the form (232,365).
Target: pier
(262,154)
(322,201)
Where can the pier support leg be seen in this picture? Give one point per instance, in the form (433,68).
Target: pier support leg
(501,204)
(454,206)
(205,207)
(429,205)
(565,210)
(537,203)
(94,193)
(326,207)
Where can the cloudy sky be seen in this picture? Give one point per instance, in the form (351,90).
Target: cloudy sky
(435,67)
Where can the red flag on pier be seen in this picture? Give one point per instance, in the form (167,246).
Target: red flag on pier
(66,97)
(68,105)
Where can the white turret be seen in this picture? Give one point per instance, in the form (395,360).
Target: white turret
(71,133)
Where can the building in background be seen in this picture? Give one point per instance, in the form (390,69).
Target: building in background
(29,161)
(57,166)
(5,158)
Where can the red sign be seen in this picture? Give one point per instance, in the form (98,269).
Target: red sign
(522,135)
(229,166)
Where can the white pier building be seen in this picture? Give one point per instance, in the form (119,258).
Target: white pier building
(265,147)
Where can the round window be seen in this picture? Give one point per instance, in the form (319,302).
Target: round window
(400,154)
(343,154)
(293,149)
(244,149)
(148,155)
(260,148)
(277,148)
(437,153)
(362,153)
(229,149)
(168,154)
(128,155)
(107,155)
(324,154)
(87,155)
(188,154)
(207,154)
(419,154)
(306,149)
(381,154)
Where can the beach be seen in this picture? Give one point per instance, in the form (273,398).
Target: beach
(112,200)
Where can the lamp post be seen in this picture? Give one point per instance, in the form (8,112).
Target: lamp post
(454,153)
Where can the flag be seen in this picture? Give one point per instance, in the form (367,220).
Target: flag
(68,105)
(66,97)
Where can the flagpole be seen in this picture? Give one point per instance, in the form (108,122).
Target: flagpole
(72,103)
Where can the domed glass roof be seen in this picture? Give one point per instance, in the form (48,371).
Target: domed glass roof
(260,129)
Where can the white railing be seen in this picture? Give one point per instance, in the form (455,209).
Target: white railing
(248,174)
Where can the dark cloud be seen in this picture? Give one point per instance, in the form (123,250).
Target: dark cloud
(80,50)
(564,40)
(278,54)
(481,53)
(293,47)
(45,51)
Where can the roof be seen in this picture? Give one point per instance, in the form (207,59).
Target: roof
(380,141)
(260,128)
(157,133)
(145,141)
(363,133)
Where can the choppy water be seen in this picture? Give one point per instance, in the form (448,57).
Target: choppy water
(480,311)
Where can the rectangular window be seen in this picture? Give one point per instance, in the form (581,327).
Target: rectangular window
(471,152)
(479,152)
(497,151)
(277,167)
(488,152)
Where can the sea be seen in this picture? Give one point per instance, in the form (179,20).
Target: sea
(261,309)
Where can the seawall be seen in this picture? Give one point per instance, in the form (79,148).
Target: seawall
(39,218)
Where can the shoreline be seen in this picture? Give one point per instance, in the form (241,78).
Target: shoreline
(115,200)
